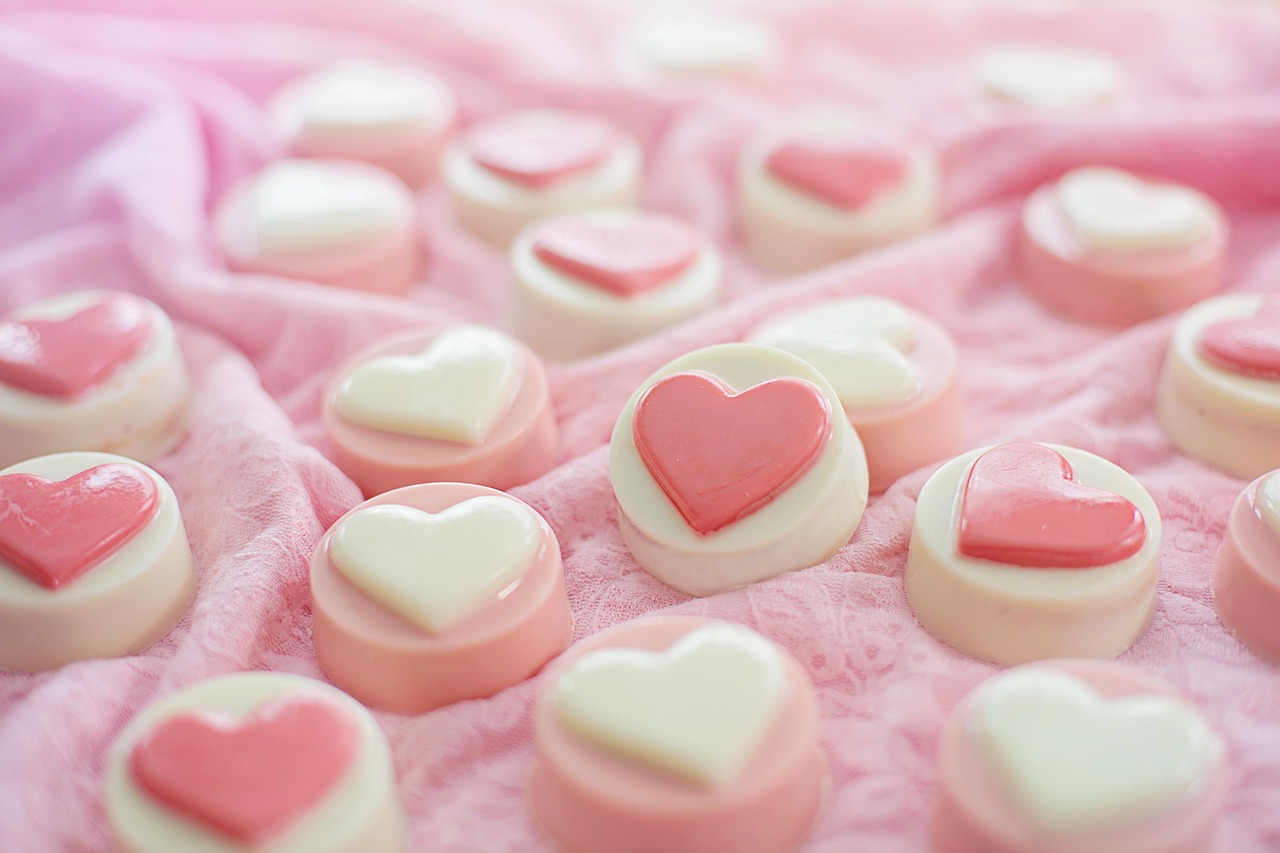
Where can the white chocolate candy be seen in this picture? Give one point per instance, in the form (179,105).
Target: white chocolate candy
(698,709)
(1049,77)
(454,390)
(437,568)
(1114,211)
(858,344)
(1078,763)
(691,45)
(300,207)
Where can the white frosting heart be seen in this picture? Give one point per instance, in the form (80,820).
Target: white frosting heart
(300,206)
(697,710)
(1049,77)
(437,569)
(858,345)
(1112,210)
(359,96)
(454,390)
(1078,763)
(1268,501)
(706,45)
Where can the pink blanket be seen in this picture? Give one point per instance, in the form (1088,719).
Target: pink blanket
(122,121)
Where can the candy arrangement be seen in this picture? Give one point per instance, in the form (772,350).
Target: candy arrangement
(578,426)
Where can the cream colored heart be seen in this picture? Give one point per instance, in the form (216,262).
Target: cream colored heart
(1267,501)
(1049,77)
(300,206)
(858,344)
(436,569)
(697,710)
(693,45)
(454,390)
(1078,763)
(1114,211)
(358,96)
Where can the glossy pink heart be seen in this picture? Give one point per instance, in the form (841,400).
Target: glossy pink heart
(719,456)
(70,357)
(1246,345)
(53,531)
(538,154)
(252,778)
(848,172)
(1023,506)
(623,258)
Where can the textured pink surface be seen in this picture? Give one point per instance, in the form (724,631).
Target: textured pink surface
(121,128)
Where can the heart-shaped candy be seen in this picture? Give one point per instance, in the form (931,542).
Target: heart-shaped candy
(698,710)
(54,531)
(719,455)
(454,390)
(1114,211)
(1022,506)
(848,171)
(1077,763)
(1246,345)
(858,345)
(1267,501)
(1049,77)
(362,96)
(437,569)
(69,357)
(625,258)
(300,207)
(248,779)
(538,150)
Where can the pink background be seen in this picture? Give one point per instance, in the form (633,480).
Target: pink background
(122,121)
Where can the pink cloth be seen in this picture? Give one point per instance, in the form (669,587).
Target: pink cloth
(121,122)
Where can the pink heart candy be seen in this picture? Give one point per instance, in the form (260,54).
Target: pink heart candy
(537,154)
(70,357)
(623,258)
(53,531)
(247,779)
(720,456)
(848,172)
(1246,345)
(1022,506)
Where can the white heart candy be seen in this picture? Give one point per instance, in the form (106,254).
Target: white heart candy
(300,206)
(436,569)
(857,344)
(1112,210)
(706,45)
(1078,763)
(454,390)
(1049,77)
(1268,501)
(358,96)
(697,710)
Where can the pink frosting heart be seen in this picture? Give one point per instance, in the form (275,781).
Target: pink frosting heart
(538,154)
(1023,506)
(623,258)
(55,531)
(719,456)
(1246,345)
(247,779)
(848,172)
(70,357)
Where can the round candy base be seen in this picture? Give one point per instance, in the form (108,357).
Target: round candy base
(361,815)
(387,662)
(1109,290)
(1246,582)
(411,158)
(1012,614)
(389,264)
(589,801)
(974,814)
(901,441)
(1225,419)
(807,523)
(521,448)
(122,605)
(136,413)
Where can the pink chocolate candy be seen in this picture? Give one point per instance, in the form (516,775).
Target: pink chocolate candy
(848,172)
(591,799)
(247,779)
(1246,575)
(1023,766)
(625,259)
(373,648)
(541,154)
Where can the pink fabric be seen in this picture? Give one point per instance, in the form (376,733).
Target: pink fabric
(121,122)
